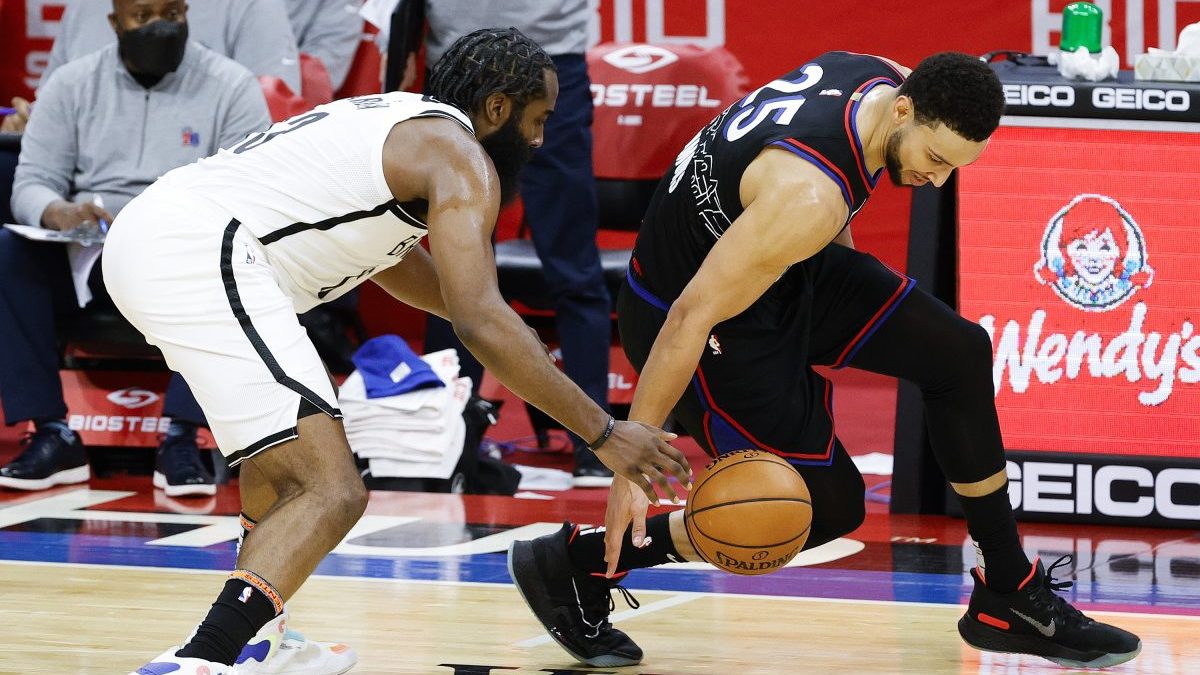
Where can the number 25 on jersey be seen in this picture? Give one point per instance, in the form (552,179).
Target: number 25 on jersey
(780,109)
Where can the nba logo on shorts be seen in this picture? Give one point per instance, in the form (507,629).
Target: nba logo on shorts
(190,138)
(245,596)
(1093,254)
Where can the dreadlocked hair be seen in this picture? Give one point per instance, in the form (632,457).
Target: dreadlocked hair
(488,61)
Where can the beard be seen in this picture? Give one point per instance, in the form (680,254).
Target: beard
(510,152)
(891,158)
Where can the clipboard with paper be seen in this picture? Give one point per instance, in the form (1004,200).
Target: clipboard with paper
(84,245)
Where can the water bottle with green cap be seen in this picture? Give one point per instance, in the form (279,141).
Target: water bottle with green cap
(1082,26)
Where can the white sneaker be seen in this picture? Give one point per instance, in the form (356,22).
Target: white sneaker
(278,650)
(169,664)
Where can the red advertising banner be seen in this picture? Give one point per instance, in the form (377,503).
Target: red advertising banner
(1077,254)
(651,100)
(119,408)
(27,32)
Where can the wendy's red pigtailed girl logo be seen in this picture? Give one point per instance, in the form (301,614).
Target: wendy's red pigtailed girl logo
(1093,254)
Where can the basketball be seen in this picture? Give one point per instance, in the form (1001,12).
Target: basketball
(749,513)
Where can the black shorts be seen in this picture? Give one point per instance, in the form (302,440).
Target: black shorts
(755,386)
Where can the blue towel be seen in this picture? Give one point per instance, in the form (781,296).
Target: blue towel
(389,367)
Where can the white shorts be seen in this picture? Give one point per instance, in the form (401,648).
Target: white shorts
(201,289)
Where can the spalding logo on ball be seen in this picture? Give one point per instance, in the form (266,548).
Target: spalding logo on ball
(750,513)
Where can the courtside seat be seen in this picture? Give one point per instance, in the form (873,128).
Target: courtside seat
(636,139)
(622,204)
(100,333)
(282,102)
(315,85)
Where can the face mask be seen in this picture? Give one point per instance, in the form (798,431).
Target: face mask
(154,49)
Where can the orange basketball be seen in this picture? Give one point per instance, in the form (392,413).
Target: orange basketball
(750,512)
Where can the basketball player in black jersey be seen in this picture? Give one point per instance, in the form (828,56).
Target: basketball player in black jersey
(744,276)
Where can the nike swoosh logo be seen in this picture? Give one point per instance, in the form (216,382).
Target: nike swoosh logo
(1044,629)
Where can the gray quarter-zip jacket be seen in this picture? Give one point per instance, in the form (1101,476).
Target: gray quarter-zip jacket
(95,131)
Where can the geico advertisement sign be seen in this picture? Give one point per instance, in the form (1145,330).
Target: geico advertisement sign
(1114,490)
(1102,98)
(1076,257)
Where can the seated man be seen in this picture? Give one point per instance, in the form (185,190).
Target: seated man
(82,159)
(255,33)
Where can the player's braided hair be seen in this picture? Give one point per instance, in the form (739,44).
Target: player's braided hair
(487,61)
(957,90)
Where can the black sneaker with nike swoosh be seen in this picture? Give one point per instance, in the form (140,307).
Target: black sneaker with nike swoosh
(572,605)
(1035,620)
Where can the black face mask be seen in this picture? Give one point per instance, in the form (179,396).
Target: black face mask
(155,49)
(510,152)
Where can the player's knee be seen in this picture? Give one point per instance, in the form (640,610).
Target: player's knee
(838,517)
(963,353)
(835,522)
(976,345)
(348,502)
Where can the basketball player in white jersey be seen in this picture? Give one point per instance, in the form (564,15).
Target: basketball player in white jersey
(213,262)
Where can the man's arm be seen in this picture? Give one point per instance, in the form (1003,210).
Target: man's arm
(414,281)
(792,212)
(49,154)
(438,160)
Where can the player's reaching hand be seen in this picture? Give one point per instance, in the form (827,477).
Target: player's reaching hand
(626,503)
(643,455)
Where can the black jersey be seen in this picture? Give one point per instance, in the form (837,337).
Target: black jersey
(809,112)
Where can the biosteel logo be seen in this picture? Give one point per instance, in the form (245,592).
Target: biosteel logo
(1094,258)
(133,397)
(639,59)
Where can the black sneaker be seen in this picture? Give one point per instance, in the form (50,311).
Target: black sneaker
(178,470)
(53,455)
(572,605)
(590,472)
(1034,620)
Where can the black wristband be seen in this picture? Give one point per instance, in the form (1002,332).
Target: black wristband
(595,445)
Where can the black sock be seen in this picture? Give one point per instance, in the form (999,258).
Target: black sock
(181,429)
(244,606)
(991,524)
(587,549)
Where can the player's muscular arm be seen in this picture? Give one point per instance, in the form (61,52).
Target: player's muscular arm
(792,212)
(439,161)
(414,281)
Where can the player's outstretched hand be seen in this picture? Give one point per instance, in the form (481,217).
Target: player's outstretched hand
(643,455)
(626,503)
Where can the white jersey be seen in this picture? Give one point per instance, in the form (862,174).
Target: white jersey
(311,189)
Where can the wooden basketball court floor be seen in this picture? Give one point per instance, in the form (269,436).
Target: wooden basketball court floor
(96,580)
